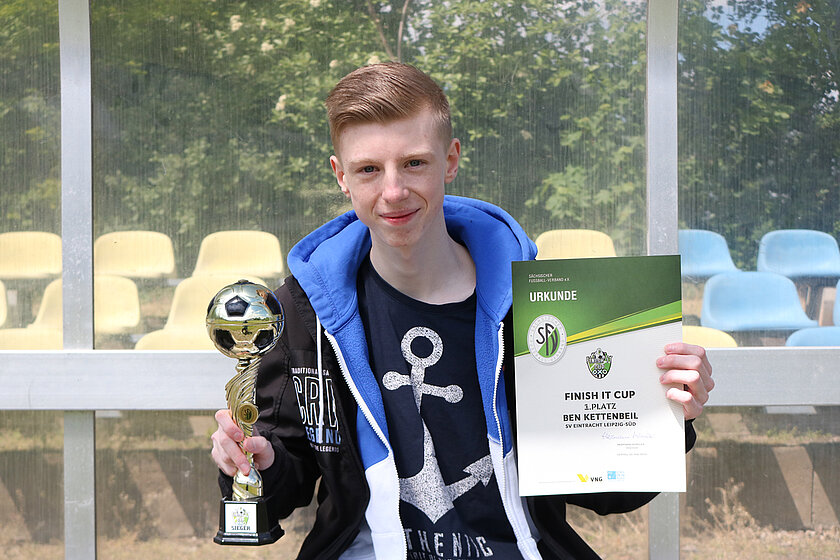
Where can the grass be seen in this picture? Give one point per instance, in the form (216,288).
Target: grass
(614,538)
(729,533)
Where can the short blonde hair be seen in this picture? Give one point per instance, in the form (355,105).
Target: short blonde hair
(381,93)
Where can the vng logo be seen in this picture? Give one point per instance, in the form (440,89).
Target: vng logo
(588,478)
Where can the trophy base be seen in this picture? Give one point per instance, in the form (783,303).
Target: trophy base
(245,523)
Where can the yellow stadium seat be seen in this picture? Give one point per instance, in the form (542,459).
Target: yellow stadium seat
(245,253)
(134,254)
(49,311)
(573,244)
(184,328)
(29,255)
(707,337)
(116,311)
(45,332)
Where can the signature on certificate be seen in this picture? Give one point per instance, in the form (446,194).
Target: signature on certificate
(635,434)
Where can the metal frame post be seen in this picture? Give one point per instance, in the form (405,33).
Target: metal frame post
(661,164)
(77,266)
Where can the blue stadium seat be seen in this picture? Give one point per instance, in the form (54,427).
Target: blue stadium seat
(752,301)
(704,254)
(816,336)
(800,254)
(808,257)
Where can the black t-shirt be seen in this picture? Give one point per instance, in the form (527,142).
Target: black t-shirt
(423,357)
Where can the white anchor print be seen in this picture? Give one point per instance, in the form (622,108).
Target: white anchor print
(426,490)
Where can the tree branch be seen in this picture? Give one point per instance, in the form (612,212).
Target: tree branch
(379,29)
(401,29)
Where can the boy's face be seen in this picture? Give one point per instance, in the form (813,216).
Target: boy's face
(394,175)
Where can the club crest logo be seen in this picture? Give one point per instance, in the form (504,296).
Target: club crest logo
(547,339)
(599,363)
(240,516)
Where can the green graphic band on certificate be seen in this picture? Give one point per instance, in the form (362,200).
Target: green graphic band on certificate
(592,415)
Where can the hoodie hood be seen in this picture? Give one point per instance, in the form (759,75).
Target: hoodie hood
(326,261)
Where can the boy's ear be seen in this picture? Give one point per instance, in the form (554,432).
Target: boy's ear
(453,156)
(338,170)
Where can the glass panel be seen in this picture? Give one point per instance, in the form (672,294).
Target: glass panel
(763,483)
(758,97)
(30,174)
(31,484)
(758,155)
(621,535)
(157,492)
(209,117)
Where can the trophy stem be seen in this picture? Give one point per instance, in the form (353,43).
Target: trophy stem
(241,391)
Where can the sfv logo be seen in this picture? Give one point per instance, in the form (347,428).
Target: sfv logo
(547,339)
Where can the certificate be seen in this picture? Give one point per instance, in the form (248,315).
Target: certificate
(591,414)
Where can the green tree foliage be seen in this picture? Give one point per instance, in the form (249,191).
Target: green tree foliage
(596,179)
(29,116)
(760,128)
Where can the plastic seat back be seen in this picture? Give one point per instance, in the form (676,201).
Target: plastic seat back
(752,301)
(574,243)
(116,306)
(175,339)
(184,328)
(193,295)
(799,253)
(134,254)
(704,254)
(707,337)
(29,255)
(49,310)
(817,336)
(255,253)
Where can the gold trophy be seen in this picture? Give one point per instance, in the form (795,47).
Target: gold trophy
(244,321)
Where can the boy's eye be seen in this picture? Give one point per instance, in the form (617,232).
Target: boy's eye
(414,163)
(368,169)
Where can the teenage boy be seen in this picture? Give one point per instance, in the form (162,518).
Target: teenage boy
(388,385)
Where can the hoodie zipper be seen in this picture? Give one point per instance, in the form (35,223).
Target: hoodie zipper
(515,521)
(345,372)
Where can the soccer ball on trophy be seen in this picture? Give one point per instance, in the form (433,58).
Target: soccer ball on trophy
(244,320)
